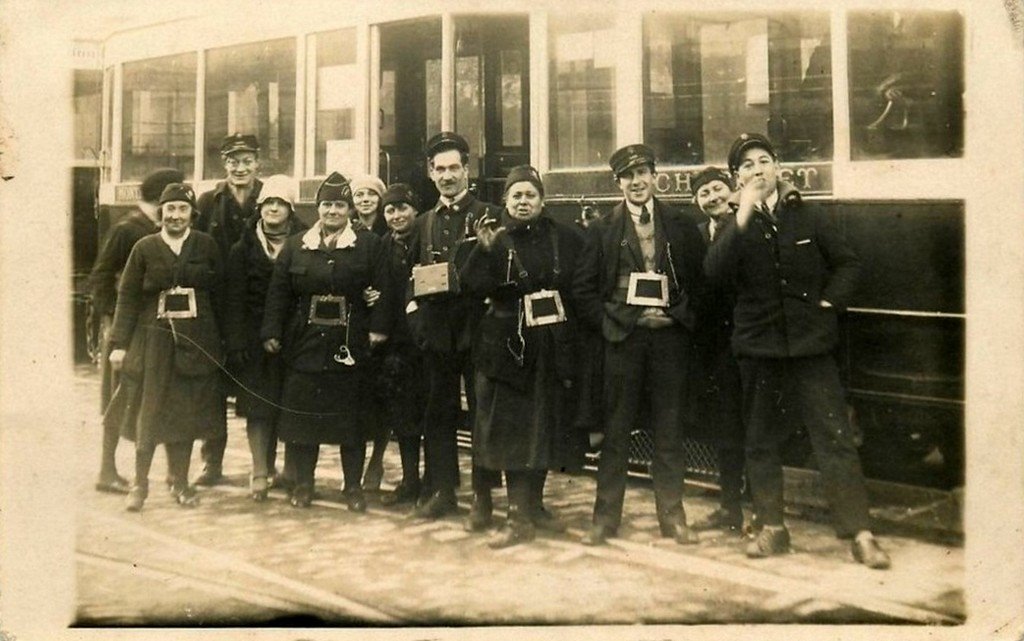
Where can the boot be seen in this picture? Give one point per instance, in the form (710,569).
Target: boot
(517,530)
(480,514)
(136,497)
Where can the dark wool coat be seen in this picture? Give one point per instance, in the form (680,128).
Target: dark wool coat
(248,278)
(112,258)
(525,411)
(222,217)
(325,399)
(170,381)
(781,277)
(597,275)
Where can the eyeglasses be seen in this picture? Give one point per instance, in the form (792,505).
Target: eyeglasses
(234,163)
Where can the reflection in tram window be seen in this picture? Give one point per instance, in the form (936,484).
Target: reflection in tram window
(159,115)
(707,78)
(582,90)
(906,84)
(87,103)
(251,89)
(512,65)
(337,78)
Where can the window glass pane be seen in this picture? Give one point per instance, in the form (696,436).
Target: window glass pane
(158,115)
(433,113)
(88,106)
(582,90)
(469,107)
(387,107)
(250,89)
(706,80)
(108,81)
(512,98)
(337,80)
(906,84)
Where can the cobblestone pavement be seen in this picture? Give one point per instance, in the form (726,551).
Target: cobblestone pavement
(232,562)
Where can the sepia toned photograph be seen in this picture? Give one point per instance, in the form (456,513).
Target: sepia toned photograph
(653,320)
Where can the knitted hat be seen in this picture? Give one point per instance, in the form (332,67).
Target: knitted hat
(400,193)
(278,186)
(709,175)
(178,192)
(524,173)
(366,181)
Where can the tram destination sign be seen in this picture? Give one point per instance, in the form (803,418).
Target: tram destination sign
(812,179)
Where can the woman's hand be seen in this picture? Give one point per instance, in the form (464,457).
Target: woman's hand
(376,338)
(487,232)
(370,296)
(272,346)
(117,359)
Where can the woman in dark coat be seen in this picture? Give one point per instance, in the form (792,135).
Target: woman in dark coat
(525,375)
(317,319)
(250,265)
(166,342)
(368,213)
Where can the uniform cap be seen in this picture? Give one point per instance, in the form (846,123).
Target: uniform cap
(400,193)
(334,187)
(153,185)
(278,186)
(748,141)
(630,156)
(444,141)
(178,192)
(710,175)
(239,142)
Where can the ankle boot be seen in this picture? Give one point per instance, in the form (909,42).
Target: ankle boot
(137,494)
(518,530)
(480,514)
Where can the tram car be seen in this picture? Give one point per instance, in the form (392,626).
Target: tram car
(865,105)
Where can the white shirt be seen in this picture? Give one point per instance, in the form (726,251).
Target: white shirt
(636,210)
(449,202)
(175,243)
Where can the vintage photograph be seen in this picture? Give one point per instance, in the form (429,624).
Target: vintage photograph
(506,320)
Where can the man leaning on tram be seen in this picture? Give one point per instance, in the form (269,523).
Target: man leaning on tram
(792,273)
(223,212)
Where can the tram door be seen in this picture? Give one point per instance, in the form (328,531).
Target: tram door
(410,101)
(492,62)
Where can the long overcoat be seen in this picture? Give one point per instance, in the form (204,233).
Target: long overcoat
(170,383)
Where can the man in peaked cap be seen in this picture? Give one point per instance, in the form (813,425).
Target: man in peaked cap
(793,273)
(222,214)
(648,343)
(141,221)
(444,327)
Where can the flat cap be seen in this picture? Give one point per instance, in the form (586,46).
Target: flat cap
(630,156)
(445,141)
(239,142)
(748,141)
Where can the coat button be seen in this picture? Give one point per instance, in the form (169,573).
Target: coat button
(330,261)
(784,281)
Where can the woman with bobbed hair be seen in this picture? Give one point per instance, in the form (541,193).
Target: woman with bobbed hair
(250,265)
(525,351)
(166,342)
(318,320)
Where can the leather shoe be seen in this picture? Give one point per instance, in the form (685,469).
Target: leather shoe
(721,519)
(403,493)
(439,504)
(210,478)
(867,551)
(544,520)
(136,497)
(516,532)
(680,532)
(116,485)
(355,500)
(769,541)
(302,496)
(481,513)
(259,488)
(185,496)
(597,535)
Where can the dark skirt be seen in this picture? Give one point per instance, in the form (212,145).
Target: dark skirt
(526,429)
(322,408)
(260,391)
(185,410)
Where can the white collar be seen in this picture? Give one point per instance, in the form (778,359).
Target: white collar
(175,243)
(448,202)
(311,239)
(772,200)
(636,210)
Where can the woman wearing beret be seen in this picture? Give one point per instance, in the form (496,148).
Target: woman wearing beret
(367,195)
(250,264)
(317,319)
(524,351)
(166,343)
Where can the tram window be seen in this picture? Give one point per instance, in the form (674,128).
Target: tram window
(251,89)
(512,67)
(337,83)
(906,84)
(582,92)
(108,82)
(432,73)
(88,99)
(707,79)
(158,115)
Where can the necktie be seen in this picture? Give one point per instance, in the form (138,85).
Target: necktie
(645,216)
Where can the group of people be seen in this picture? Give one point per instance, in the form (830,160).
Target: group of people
(374,320)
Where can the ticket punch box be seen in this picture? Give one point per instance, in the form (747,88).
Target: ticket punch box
(647,289)
(438,278)
(543,308)
(327,309)
(177,302)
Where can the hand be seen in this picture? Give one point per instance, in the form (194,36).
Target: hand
(370,296)
(272,346)
(376,339)
(824,304)
(487,231)
(117,359)
(596,438)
